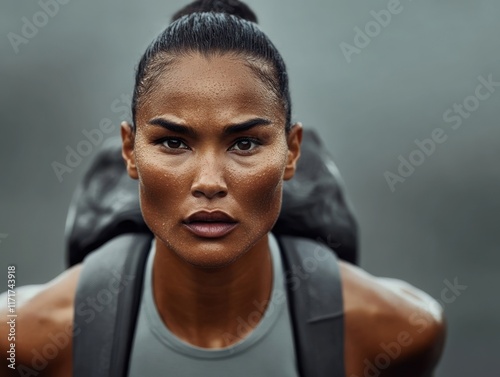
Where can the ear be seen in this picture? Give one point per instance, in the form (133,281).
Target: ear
(294,141)
(128,137)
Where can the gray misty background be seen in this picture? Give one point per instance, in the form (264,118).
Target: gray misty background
(440,224)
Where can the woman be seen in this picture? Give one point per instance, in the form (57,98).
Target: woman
(211,143)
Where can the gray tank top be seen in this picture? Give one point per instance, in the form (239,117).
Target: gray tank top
(266,351)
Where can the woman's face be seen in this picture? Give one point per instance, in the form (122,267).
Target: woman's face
(210,136)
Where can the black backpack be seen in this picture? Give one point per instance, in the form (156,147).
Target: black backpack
(106,229)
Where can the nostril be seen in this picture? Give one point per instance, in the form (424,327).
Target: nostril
(209,192)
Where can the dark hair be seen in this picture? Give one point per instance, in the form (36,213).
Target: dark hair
(234,7)
(209,27)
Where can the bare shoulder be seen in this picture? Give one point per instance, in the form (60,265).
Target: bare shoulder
(392,328)
(42,330)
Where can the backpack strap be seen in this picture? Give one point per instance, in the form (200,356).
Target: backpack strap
(106,306)
(316,307)
(110,288)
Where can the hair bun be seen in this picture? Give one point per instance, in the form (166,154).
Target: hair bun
(234,7)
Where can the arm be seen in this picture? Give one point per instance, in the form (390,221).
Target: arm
(392,328)
(42,327)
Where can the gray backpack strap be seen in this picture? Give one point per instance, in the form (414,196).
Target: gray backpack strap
(106,306)
(315,297)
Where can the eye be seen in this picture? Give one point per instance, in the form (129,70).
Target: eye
(246,145)
(172,143)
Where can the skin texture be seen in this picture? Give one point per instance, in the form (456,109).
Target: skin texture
(201,286)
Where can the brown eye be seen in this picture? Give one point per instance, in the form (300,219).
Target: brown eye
(174,144)
(244,145)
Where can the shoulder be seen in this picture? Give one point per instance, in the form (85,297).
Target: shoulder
(43,326)
(391,327)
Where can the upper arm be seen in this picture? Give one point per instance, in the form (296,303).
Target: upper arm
(423,319)
(9,333)
(43,324)
(391,326)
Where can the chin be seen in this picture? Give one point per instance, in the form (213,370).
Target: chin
(211,253)
(209,256)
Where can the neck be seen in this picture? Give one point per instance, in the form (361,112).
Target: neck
(212,308)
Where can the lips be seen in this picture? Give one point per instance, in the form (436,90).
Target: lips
(210,224)
(205,216)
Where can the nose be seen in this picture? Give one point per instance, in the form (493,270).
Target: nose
(209,179)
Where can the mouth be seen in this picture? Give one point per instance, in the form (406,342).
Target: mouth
(210,224)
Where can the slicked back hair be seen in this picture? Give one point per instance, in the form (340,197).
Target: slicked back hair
(213,33)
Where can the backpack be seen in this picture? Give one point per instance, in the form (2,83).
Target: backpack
(105,229)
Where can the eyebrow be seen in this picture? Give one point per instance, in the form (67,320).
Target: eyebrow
(228,130)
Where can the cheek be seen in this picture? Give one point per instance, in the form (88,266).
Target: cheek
(161,187)
(259,189)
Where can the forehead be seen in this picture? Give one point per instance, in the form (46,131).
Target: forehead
(195,86)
